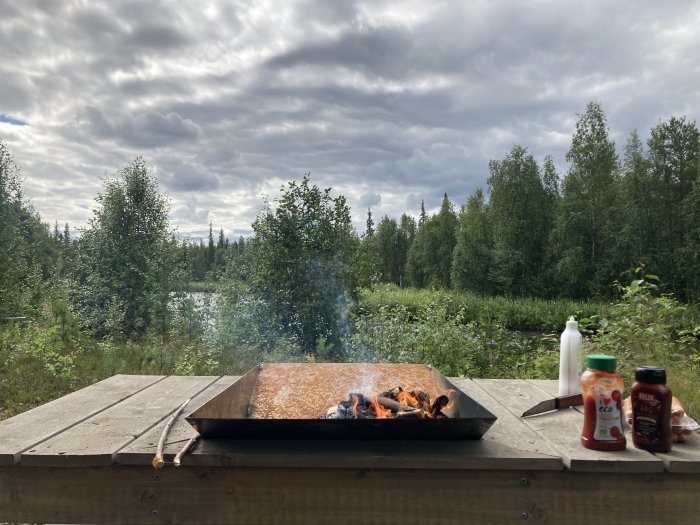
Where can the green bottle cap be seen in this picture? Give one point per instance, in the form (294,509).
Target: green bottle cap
(601,362)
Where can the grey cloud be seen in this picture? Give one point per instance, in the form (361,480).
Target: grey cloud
(14,94)
(228,103)
(370,199)
(145,130)
(375,50)
(160,129)
(93,19)
(179,176)
(192,212)
(157,36)
(9,9)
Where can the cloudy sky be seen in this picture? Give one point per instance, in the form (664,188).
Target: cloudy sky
(387,102)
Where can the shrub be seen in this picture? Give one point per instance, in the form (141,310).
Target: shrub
(646,327)
(432,335)
(525,314)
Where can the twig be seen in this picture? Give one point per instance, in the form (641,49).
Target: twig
(408,414)
(185,449)
(158,460)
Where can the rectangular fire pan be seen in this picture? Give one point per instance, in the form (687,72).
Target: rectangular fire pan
(287,400)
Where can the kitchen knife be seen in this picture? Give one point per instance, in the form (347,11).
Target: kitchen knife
(554,404)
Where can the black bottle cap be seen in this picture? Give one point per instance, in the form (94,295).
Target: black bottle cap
(650,374)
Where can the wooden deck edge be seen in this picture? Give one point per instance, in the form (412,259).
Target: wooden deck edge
(131,495)
(337,462)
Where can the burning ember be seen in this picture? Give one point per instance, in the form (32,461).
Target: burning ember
(392,404)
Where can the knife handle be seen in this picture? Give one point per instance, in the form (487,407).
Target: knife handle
(569,401)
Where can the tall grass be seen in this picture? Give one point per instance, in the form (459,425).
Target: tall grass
(454,345)
(524,314)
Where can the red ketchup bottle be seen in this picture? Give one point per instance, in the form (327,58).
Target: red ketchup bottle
(651,410)
(602,404)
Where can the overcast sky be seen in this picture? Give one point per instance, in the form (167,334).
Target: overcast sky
(386,102)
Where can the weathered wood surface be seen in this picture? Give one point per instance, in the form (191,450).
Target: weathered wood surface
(135,495)
(514,473)
(120,420)
(684,457)
(27,430)
(141,451)
(562,428)
(510,432)
(96,440)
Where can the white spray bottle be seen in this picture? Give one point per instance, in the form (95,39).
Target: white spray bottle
(570,359)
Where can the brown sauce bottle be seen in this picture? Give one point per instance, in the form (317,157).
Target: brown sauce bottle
(651,410)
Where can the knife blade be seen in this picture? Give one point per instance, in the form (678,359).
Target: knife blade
(554,404)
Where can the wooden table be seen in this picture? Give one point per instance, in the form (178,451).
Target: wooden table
(85,458)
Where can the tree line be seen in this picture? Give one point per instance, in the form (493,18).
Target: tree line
(534,233)
(531,233)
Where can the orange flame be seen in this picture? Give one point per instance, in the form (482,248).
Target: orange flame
(406,399)
(379,410)
(452,395)
(355,400)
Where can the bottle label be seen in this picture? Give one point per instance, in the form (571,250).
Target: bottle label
(609,416)
(647,418)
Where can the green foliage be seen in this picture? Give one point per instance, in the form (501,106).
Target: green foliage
(688,254)
(300,263)
(526,314)
(429,260)
(473,254)
(432,335)
(646,327)
(127,263)
(392,241)
(197,361)
(38,360)
(674,159)
(519,211)
(588,215)
(365,264)
(638,235)
(27,251)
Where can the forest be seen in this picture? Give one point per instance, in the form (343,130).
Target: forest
(478,290)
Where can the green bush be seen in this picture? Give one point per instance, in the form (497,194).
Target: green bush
(647,327)
(36,364)
(525,314)
(433,335)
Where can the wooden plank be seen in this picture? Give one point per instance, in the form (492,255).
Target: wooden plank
(95,441)
(142,450)
(334,454)
(510,431)
(27,430)
(562,429)
(138,495)
(583,498)
(684,457)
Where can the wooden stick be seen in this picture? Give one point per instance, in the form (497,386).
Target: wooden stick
(185,449)
(418,414)
(392,405)
(158,460)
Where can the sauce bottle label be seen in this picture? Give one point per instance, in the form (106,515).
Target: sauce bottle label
(647,419)
(608,416)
